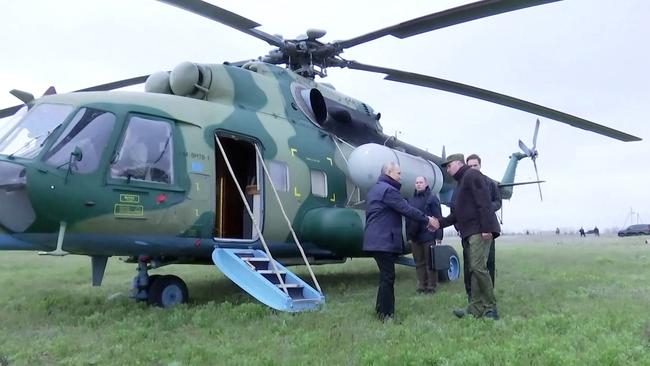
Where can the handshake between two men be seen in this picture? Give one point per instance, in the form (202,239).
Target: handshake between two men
(433,224)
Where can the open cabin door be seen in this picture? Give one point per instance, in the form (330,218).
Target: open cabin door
(231,219)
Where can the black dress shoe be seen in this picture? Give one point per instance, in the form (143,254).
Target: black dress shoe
(492,314)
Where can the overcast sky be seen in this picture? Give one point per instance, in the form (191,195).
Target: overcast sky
(584,57)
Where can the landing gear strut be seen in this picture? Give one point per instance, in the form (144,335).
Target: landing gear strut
(158,290)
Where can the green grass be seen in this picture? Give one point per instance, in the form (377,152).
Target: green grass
(563,301)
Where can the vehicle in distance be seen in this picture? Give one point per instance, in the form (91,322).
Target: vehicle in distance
(639,229)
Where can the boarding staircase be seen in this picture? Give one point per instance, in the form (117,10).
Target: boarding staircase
(257,273)
(270,283)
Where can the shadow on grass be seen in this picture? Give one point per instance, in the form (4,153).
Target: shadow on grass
(335,280)
(221,290)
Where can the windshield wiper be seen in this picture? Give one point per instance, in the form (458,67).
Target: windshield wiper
(50,134)
(28,143)
(36,138)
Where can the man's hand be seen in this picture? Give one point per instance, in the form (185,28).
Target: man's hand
(486,236)
(433,224)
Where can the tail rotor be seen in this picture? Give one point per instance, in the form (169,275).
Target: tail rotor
(533,154)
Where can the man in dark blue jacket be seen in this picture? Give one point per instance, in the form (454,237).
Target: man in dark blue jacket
(421,237)
(474,217)
(383,232)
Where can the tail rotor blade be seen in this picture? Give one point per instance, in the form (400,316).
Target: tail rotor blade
(539,185)
(535,135)
(525,148)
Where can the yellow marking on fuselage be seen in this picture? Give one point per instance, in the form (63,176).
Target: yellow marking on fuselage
(198,188)
(129,198)
(330,160)
(293,151)
(295,192)
(123,210)
(333,199)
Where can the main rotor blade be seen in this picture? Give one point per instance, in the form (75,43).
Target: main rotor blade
(225,17)
(10,111)
(103,87)
(502,99)
(116,84)
(446,18)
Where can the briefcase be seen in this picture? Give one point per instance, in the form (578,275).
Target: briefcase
(440,257)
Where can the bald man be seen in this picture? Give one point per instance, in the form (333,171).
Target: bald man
(422,238)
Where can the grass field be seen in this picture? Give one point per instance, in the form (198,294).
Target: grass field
(562,301)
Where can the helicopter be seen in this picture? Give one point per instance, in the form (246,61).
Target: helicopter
(224,163)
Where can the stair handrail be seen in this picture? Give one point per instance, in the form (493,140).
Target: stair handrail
(250,213)
(293,233)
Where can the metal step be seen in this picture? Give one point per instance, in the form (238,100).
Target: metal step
(271,276)
(257,263)
(267,271)
(294,290)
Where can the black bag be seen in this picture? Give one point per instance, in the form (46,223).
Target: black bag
(440,255)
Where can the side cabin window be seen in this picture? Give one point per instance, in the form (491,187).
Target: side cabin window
(279,173)
(89,131)
(318,183)
(146,152)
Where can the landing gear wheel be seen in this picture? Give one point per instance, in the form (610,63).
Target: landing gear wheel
(153,278)
(453,273)
(167,291)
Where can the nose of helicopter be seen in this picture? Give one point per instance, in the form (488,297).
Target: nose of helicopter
(16,211)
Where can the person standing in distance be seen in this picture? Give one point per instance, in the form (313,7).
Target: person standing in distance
(421,237)
(383,232)
(476,222)
(474,162)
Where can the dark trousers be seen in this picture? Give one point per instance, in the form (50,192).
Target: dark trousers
(385,305)
(427,278)
(467,276)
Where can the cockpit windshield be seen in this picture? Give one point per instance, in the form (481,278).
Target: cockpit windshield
(24,137)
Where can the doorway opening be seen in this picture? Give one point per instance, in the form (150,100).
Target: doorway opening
(232,220)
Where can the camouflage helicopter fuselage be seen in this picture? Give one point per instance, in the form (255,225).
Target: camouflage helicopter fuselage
(178,218)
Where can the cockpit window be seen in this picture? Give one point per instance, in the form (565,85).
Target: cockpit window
(25,139)
(89,130)
(146,152)
(8,123)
